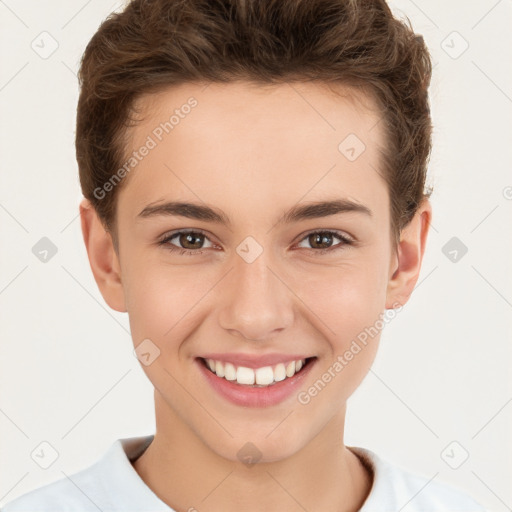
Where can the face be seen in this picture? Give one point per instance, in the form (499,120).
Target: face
(247,274)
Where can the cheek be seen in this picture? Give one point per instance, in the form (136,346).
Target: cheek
(167,302)
(162,302)
(346,297)
(349,301)
(156,290)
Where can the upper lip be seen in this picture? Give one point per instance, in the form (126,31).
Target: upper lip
(254,361)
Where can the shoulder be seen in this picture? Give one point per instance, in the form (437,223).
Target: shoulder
(76,492)
(110,484)
(395,488)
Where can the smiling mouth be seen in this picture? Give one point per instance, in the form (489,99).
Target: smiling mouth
(258,377)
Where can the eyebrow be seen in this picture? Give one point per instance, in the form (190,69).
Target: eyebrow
(312,210)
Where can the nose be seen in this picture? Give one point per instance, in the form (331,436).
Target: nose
(256,302)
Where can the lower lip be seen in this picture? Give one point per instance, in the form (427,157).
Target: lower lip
(256,397)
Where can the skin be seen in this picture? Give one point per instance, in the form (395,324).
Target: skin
(255,152)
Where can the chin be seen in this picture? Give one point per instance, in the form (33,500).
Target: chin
(256,446)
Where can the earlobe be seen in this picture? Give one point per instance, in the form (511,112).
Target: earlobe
(410,251)
(102,257)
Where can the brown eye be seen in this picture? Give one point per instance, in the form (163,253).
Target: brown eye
(322,241)
(190,242)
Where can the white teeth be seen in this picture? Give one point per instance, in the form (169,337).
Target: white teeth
(265,376)
(290,369)
(244,375)
(219,368)
(229,372)
(279,372)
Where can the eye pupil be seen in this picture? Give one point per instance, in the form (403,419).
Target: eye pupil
(195,241)
(321,238)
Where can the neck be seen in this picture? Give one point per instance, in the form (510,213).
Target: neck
(188,475)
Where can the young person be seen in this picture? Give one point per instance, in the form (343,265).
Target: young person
(254,181)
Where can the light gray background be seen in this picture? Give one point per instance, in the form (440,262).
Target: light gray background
(67,372)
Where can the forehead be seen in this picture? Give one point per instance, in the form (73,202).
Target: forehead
(269,143)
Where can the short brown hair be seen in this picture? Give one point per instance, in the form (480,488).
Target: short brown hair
(160,43)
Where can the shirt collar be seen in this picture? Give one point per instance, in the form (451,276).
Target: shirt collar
(122,482)
(131,492)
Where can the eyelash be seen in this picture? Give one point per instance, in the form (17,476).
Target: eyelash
(172,248)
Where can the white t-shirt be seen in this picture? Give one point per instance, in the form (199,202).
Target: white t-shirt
(112,484)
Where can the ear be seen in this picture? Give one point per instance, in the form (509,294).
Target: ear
(102,257)
(405,272)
